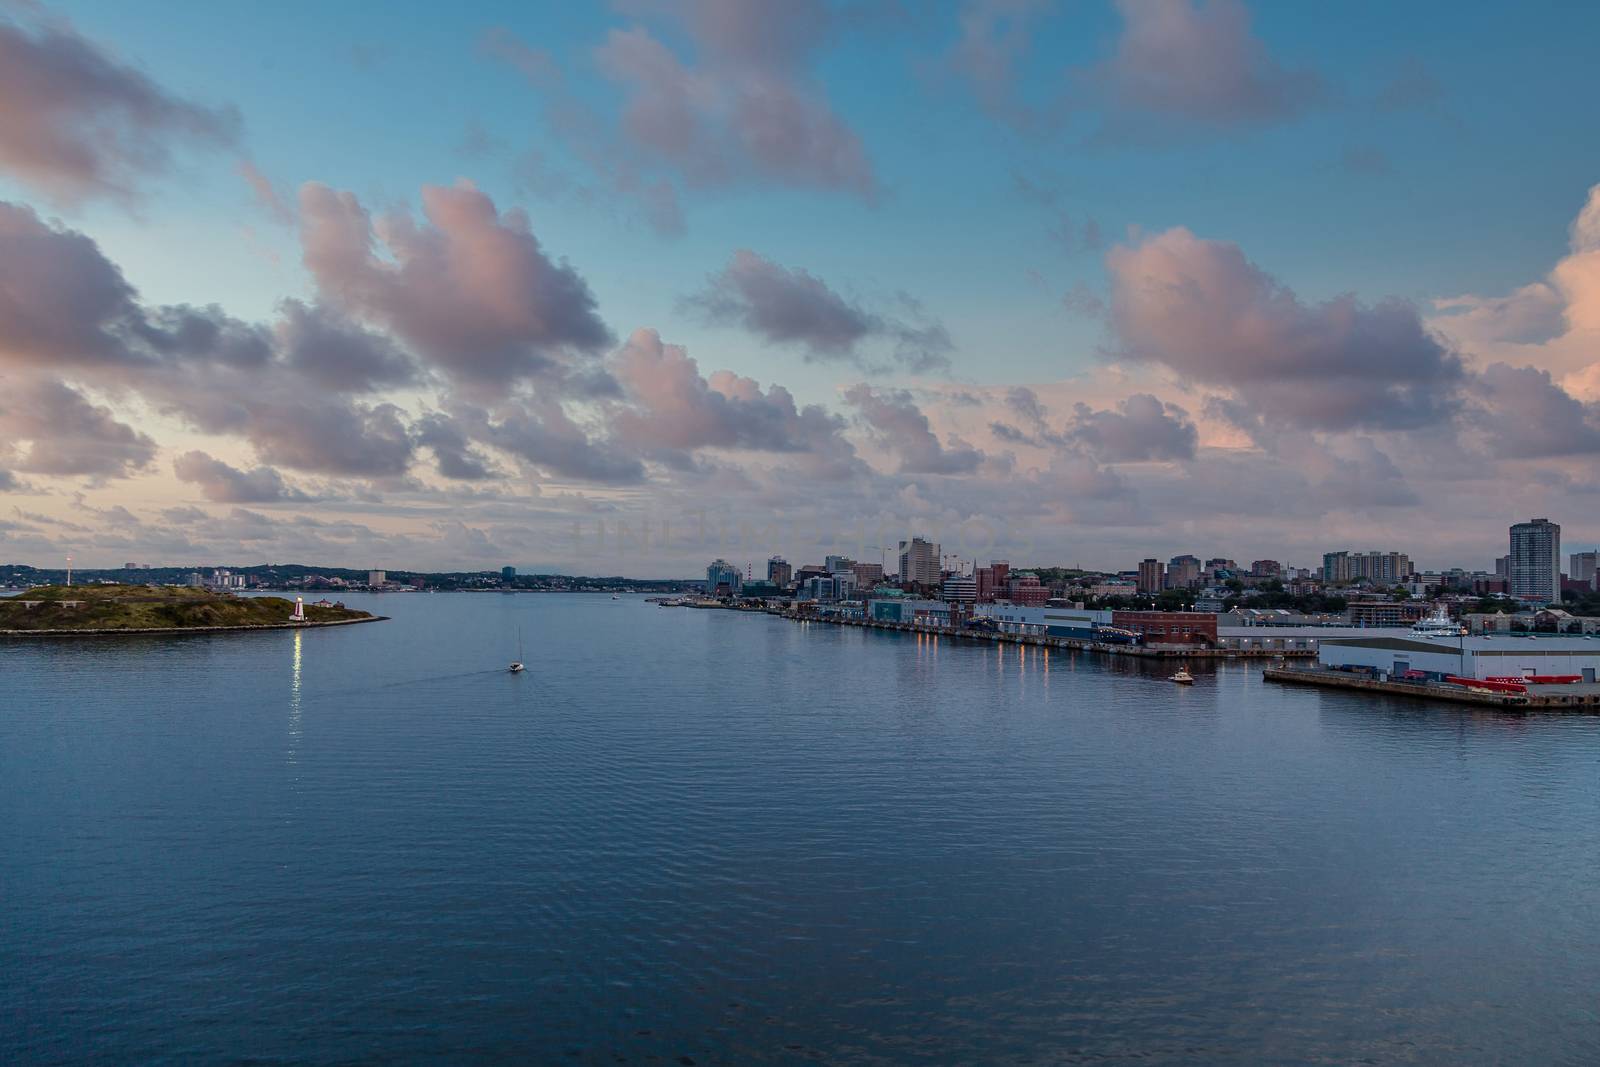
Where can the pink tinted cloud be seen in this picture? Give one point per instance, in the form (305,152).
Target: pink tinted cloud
(1202,309)
(470,288)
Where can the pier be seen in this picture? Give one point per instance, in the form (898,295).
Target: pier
(1572,697)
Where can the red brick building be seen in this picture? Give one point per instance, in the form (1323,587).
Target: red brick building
(1169,627)
(1026,589)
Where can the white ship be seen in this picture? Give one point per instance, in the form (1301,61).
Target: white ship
(1439,624)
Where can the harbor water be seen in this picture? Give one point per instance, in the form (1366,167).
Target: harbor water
(713,837)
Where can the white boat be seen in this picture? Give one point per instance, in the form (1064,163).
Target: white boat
(615,597)
(1438,624)
(516,664)
(1183,677)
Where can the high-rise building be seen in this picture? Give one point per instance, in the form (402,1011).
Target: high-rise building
(723,578)
(1152,576)
(1536,561)
(1502,566)
(836,564)
(376,578)
(1584,567)
(919,561)
(508,574)
(1183,572)
(779,572)
(1266,568)
(1381,567)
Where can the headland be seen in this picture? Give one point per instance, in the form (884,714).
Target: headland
(59,610)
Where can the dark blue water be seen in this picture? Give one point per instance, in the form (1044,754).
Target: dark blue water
(737,839)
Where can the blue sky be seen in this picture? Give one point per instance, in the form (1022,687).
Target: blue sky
(1444,149)
(1481,183)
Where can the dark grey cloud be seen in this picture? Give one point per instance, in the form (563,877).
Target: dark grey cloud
(541,434)
(453,453)
(226,484)
(335,353)
(1139,428)
(75,122)
(786,306)
(329,436)
(62,303)
(1526,415)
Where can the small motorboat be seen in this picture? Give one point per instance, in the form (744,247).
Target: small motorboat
(1183,677)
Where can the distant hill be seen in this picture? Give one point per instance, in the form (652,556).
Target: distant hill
(142,607)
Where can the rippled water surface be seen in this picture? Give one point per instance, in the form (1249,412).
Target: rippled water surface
(696,835)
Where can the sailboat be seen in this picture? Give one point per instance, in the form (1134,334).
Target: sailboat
(516,664)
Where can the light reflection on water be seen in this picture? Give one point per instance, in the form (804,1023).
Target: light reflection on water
(695,833)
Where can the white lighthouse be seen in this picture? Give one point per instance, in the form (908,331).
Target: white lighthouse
(299,610)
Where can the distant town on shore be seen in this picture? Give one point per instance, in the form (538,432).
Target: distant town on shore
(1526,589)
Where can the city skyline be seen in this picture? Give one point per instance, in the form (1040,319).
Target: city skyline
(1071,284)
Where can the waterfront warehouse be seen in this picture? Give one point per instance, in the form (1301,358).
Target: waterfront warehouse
(1496,657)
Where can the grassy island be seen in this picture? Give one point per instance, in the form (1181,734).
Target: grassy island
(101,608)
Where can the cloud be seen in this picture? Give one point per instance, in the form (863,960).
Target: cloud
(900,425)
(677,410)
(994,37)
(334,353)
(537,65)
(267,195)
(76,123)
(541,434)
(743,111)
(228,485)
(786,306)
(1528,416)
(1552,323)
(1140,428)
(470,289)
(1185,63)
(452,452)
(62,303)
(67,434)
(1202,309)
(748,111)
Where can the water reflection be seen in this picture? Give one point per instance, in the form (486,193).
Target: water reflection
(295,729)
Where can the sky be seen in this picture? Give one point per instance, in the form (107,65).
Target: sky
(620,288)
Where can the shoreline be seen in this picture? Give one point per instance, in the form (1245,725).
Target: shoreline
(180,631)
(1072,644)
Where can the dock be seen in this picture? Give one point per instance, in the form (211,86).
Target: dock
(1577,697)
(1071,644)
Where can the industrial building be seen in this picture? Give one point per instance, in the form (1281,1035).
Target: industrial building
(1481,657)
(1043,621)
